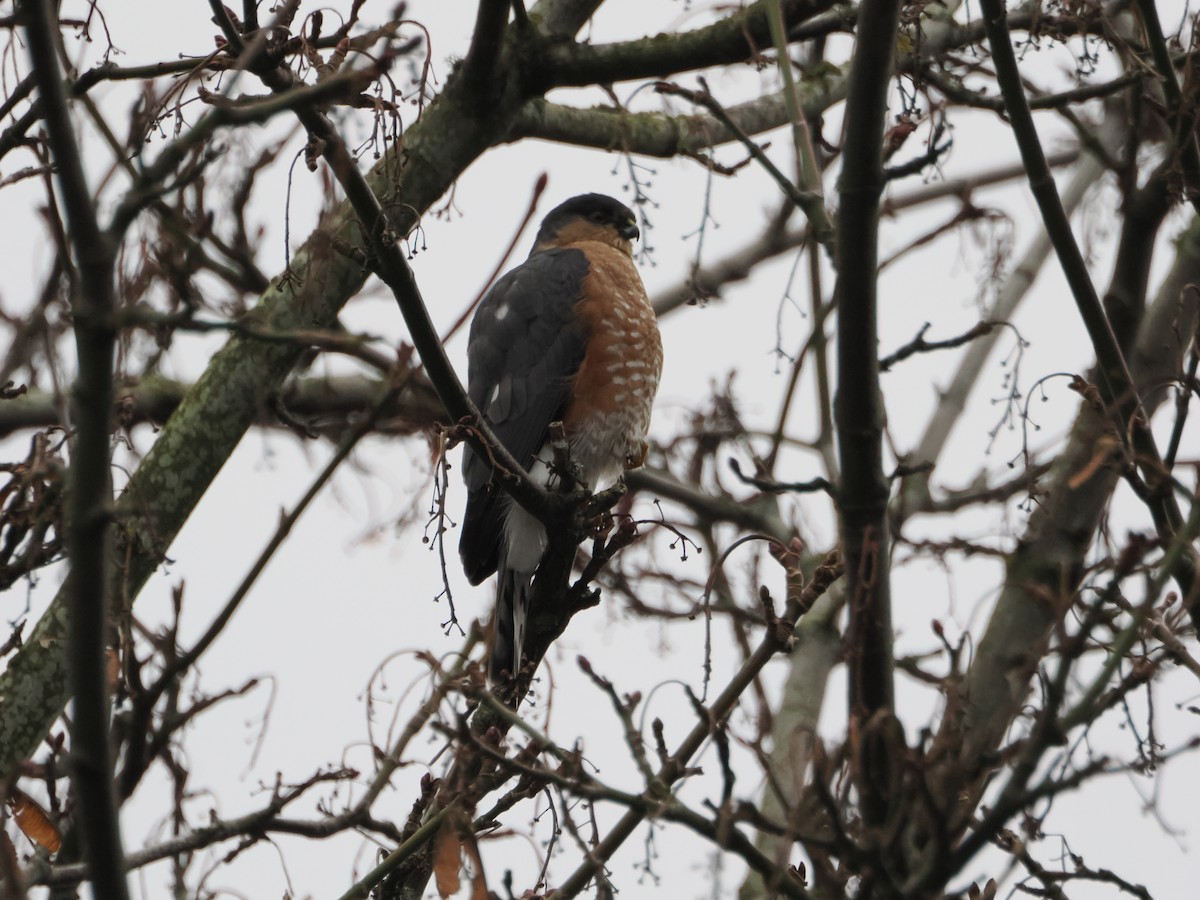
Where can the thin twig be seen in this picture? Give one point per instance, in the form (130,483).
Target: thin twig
(773,641)
(808,200)
(920,345)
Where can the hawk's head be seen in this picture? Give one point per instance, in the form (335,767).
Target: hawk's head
(588,217)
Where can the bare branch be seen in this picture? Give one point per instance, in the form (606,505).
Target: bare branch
(863,493)
(89,494)
(1118,388)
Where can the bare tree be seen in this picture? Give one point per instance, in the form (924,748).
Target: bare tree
(1091,608)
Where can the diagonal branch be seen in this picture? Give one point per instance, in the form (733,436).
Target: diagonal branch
(776,240)
(807,197)
(241,378)
(1048,562)
(389,264)
(952,400)
(774,641)
(1116,384)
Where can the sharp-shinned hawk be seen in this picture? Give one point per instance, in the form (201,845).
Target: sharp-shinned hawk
(567,336)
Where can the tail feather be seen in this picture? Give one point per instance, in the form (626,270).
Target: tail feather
(518,555)
(513,591)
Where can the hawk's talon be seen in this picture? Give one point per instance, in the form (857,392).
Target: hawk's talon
(635,458)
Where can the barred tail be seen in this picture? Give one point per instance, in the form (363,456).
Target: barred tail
(513,591)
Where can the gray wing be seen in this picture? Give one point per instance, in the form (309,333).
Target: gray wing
(526,343)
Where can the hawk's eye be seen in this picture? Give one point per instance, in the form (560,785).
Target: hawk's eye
(597,217)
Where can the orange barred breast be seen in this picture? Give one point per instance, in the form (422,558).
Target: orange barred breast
(613,392)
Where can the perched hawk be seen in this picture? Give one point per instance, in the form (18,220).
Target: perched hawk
(567,336)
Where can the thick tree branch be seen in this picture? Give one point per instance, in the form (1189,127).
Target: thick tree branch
(663,135)
(739,36)
(562,18)
(383,250)
(479,67)
(227,399)
(324,404)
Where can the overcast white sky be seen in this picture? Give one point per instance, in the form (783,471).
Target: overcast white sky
(349,593)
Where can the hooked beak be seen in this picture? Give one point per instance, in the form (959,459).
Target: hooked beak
(630,231)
